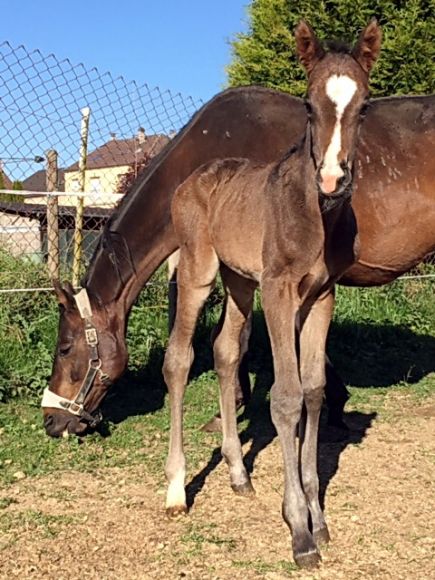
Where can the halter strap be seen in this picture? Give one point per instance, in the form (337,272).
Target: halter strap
(76,406)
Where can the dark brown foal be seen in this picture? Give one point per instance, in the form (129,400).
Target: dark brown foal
(289,228)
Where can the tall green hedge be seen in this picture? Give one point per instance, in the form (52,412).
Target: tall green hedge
(265,55)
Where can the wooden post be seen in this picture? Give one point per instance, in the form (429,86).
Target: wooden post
(78,233)
(52,214)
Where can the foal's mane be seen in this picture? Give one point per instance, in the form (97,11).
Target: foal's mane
(338,46)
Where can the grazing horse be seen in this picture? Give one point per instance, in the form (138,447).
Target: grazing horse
(289,228)
(393,165)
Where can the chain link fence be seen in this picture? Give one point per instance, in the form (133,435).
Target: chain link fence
(72,140)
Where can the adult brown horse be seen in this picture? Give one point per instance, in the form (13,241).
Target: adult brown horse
(394,201)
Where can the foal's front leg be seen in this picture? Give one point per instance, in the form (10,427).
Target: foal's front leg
(196,278)
(280,304)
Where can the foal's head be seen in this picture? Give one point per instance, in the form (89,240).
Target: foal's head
(337,97)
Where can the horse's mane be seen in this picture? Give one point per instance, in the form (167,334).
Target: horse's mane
(112,242)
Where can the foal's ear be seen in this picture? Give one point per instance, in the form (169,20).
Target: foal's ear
(367,48)
(308,46)
(64,294)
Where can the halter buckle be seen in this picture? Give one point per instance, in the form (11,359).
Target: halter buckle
(72,407)
(91,336)
(76,408)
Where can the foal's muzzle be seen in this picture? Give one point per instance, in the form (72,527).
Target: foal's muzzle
(333,185)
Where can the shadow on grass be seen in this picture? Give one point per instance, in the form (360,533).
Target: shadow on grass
(367,355)
(364,355)
(260,432)
(138,392)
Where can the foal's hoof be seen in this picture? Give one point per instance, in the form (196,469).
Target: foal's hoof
(308,559)
(175,511)
(321,537)
(213,426)
(246,489)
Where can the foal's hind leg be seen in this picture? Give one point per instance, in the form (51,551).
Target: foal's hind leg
(312,363)
(196,277)
(227,352)
(243,385)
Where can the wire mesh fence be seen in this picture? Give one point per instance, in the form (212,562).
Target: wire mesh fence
(71,142)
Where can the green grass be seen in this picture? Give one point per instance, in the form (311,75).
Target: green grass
(382,342)
(136,439)
(205,533)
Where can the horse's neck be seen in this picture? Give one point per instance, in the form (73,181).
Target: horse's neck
(117,273)
(133,244)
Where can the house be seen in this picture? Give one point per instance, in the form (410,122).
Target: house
(23,229)
(38,181)
(23,225)
(106,165)
(5,182)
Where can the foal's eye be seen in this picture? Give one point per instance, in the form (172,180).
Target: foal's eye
(64,349)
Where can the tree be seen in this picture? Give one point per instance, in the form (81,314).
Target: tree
(127,180)
(265,55)
(9,197)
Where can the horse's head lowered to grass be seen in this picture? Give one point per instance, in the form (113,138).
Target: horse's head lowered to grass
(91,354)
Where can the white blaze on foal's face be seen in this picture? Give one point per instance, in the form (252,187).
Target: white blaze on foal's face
(340,89)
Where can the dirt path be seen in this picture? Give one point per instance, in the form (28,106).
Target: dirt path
(380,508)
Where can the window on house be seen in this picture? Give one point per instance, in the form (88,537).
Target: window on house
(95,185)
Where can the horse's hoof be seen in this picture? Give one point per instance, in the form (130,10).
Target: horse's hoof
(246,489)
(308,559)
(213,426)
(321,537)
(176,511)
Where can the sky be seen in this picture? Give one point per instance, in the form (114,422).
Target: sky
(178,45)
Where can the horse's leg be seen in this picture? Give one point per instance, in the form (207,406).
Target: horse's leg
(280,304)
(243,392)
(312,364)
(196,277)
(227,351)
(336,397)
(172,262)
(243,385)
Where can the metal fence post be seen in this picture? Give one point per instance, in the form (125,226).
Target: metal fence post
(78,233)
(52,214)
